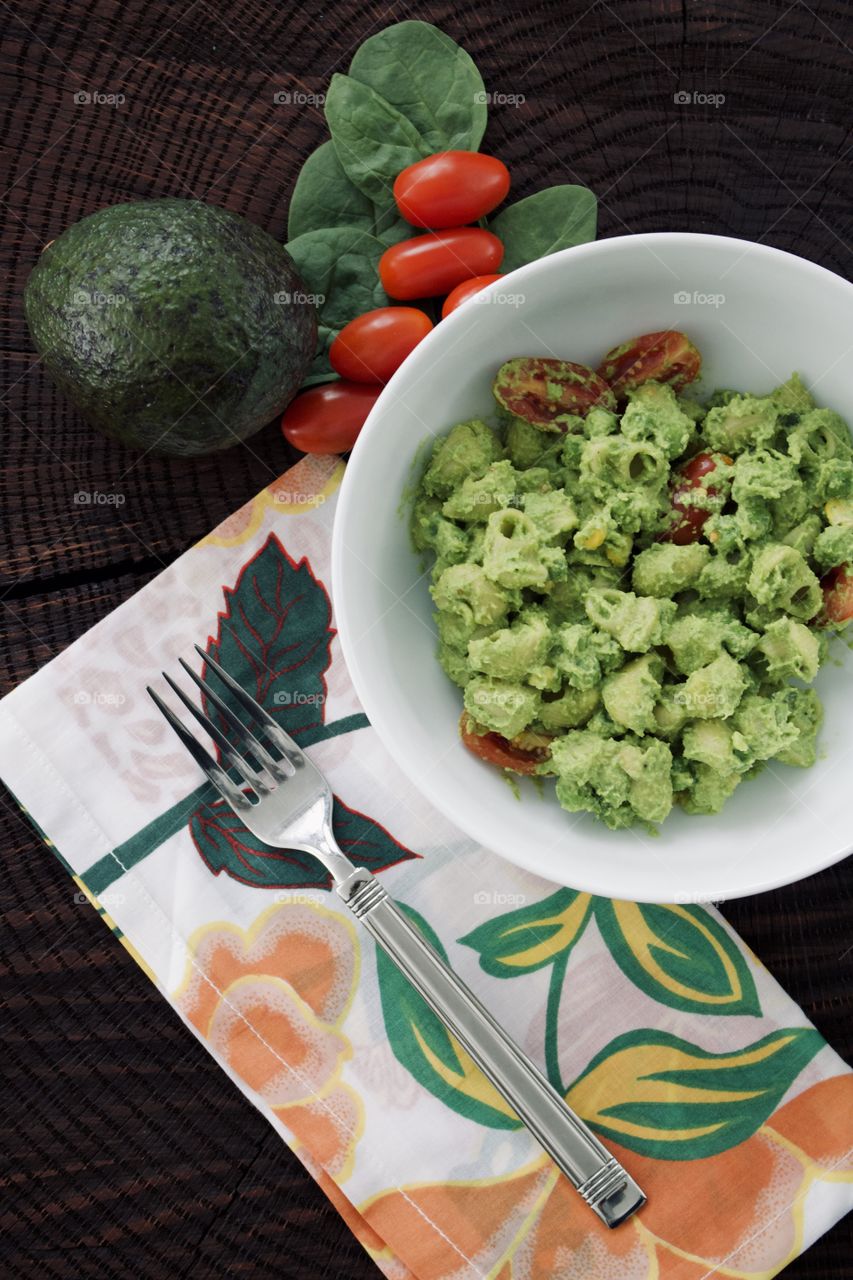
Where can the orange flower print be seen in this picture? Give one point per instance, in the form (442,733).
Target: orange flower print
(738,1214)
(271,1002)
(308,483)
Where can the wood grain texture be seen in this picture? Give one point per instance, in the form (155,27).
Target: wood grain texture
(127,1150)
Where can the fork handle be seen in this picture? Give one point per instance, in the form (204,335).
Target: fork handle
(599,1178)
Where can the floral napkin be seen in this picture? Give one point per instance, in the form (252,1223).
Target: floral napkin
(657,1023)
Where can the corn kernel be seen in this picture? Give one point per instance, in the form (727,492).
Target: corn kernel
(839,511)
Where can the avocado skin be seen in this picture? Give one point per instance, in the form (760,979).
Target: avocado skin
(159,321)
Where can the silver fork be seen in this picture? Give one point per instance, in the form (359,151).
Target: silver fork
(286,802)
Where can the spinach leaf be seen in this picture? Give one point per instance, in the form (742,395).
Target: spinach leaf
(556,218)
(325,197)
(340,267)
(322,372)
(372,139)
(319,369)
(430,79)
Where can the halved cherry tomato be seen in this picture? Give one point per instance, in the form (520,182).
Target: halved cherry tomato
(837,595)
(667,356)
(328,419)
(464,291)
(540,390)
(690,519)
(690,516)
(373,346)
(450,189)
(497,750)
(702,464)
(438,262)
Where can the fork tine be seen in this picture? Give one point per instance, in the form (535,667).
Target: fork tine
(245,735)
(261,781)
(283,741)
(214,773)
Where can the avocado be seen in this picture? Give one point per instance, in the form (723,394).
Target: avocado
(171,324)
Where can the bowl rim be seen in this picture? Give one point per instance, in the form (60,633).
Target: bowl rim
(392,739)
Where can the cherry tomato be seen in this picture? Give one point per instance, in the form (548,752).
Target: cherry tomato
(328,419)
(690,516)
(497,750)
(464,291)
(667,356)
(690,519)
(438,262)
(702,464)
(837,595)
(541,390)
(450,188)
(373,346)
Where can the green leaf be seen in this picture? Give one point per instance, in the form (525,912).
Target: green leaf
(556,218)
(273,636)
(430,80)
(531,937)
(422,1044)
(323,372)
(372,139)
(681,956)
(226,845)
(666,1098)
(324,197)
(340,267)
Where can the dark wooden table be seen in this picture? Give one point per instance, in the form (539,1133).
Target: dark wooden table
(128,1151)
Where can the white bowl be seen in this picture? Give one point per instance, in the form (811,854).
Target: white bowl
(756,314)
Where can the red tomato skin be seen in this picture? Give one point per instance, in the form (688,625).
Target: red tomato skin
(665,356)
(837,595)
(702,464)
(466,290)
(438,261)
(499,751)
(327,419)
(692,518)
(523,386)
(373,346)
(450,189)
